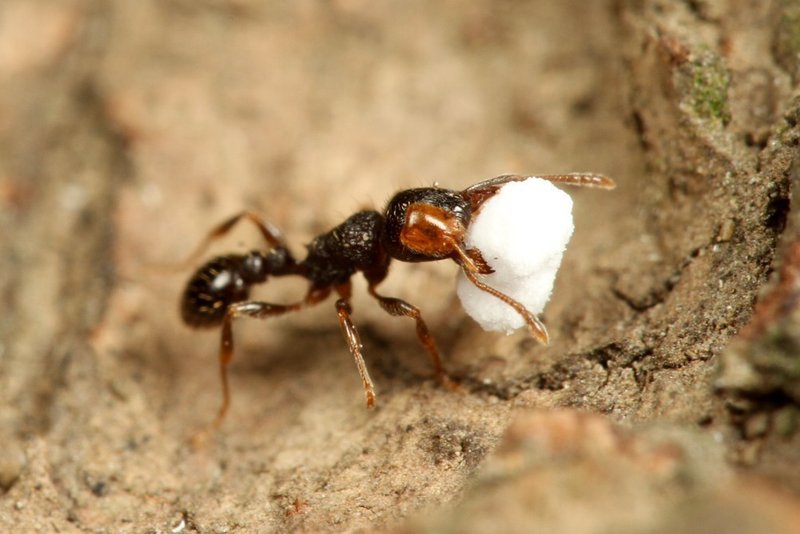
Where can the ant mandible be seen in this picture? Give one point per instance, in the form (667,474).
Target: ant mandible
(418,225)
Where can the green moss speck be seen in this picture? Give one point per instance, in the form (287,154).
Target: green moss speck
(706,81)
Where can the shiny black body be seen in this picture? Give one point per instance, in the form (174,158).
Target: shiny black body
(424,224)
(227,279)
(365,242)
(353,246)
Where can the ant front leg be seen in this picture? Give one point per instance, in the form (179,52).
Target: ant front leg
(401,308)
(344,310)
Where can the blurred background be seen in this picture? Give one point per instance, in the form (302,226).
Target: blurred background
(129,129)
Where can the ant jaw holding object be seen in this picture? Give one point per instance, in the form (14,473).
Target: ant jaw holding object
(472,259)
(437,232)
(523,225)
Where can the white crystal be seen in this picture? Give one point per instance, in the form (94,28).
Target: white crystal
(522,232)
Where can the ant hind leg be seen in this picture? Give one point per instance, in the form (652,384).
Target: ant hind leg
(271,234)
(255,309)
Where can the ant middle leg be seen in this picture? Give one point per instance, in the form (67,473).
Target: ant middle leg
(344,310)
(401,308)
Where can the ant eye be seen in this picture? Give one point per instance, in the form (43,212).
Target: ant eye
(426,224)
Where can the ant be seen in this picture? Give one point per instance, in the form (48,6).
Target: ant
(418,225)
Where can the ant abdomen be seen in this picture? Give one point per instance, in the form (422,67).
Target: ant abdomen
(227,279)
(212,288)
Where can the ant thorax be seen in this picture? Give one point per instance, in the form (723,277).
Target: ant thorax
(352,246)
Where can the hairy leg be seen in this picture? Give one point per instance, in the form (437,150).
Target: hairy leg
(401,308)
(344,310)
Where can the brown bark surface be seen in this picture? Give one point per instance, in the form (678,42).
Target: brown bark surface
(663,403)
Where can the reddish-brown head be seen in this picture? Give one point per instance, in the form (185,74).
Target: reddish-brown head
(426,224)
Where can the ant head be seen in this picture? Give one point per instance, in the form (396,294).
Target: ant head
(426,224)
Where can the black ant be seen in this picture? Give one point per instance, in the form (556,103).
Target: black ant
(423,224)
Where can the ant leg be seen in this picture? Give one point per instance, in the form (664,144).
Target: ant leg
(258,310)
(401,308)
(344,310)
(271,234)
(269,231)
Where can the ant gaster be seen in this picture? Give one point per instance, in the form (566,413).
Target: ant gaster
(423,224)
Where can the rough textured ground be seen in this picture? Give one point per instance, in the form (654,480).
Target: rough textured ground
(664,403)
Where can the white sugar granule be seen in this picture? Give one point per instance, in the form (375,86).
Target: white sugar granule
(522,232)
